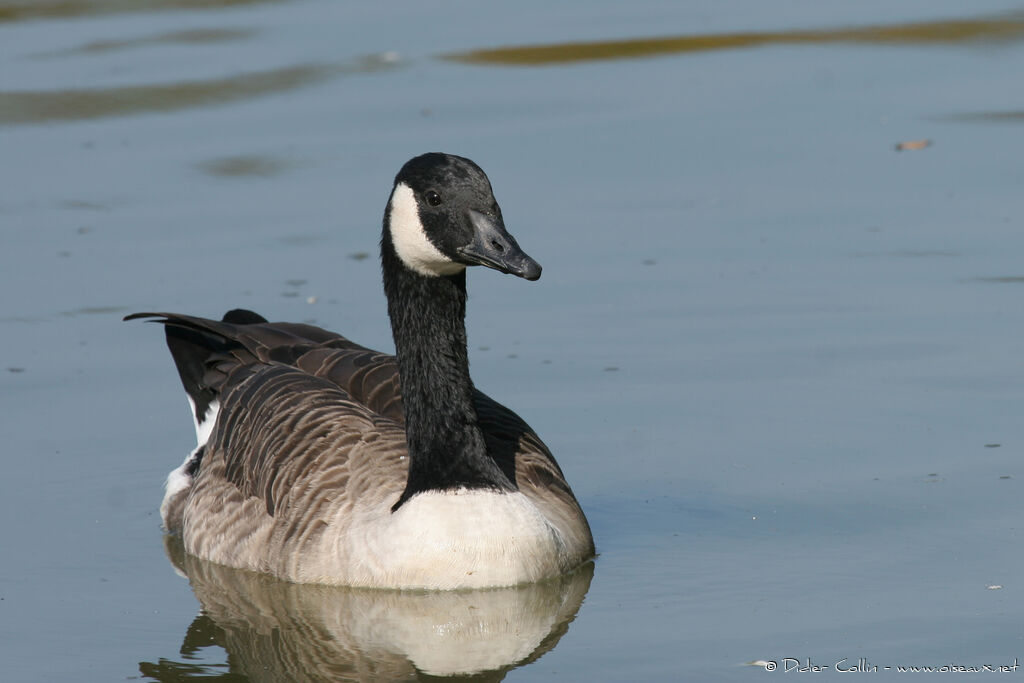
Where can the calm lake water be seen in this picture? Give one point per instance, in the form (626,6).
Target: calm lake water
(778,360)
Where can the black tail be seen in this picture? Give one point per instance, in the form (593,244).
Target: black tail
(192,341)
(241,316)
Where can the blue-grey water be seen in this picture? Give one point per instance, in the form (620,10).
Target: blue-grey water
(778,360)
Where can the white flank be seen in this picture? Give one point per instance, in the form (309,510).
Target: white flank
(204,427)
(179,479)
(410,239)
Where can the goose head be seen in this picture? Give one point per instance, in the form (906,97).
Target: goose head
(442,217)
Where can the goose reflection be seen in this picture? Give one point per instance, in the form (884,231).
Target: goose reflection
(278,631)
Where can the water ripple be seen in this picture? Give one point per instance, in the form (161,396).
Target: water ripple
(188,37)
(36,106)
(1003,28)
(25,10)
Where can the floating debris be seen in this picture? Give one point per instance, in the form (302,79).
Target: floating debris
(994,587)
(993,445)
(14,369)
(359,256)
(310,300)
(913,145)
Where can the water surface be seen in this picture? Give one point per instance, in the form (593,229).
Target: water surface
(778,360)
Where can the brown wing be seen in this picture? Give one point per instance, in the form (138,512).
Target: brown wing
(279,423)
(293,399)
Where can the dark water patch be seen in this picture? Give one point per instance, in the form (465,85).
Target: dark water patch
(93,310)
(20,107)
(909,253)
(191,37)
(987,117)
(1004,28)
(25,10)
(925,253)
(244,166)
(83,205)
(1004,279)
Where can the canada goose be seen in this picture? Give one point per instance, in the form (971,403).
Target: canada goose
(321,461)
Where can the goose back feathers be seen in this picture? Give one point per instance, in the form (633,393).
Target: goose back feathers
(319,460)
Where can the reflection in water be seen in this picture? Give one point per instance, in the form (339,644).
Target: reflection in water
(1001,279)
(83,205)
(191,37)
(989,29)
(248,165)
(93,310)
(36,106)
(20,10)
(1010,116)
(278,631)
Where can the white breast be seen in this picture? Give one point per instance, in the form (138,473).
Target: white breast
(456,539)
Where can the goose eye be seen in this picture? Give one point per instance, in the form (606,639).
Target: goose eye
(433,198)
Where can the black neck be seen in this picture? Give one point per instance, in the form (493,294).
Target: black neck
(446,446)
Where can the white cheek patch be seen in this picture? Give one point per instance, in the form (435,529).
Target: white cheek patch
(410,239)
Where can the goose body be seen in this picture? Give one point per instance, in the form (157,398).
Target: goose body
(322,461)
